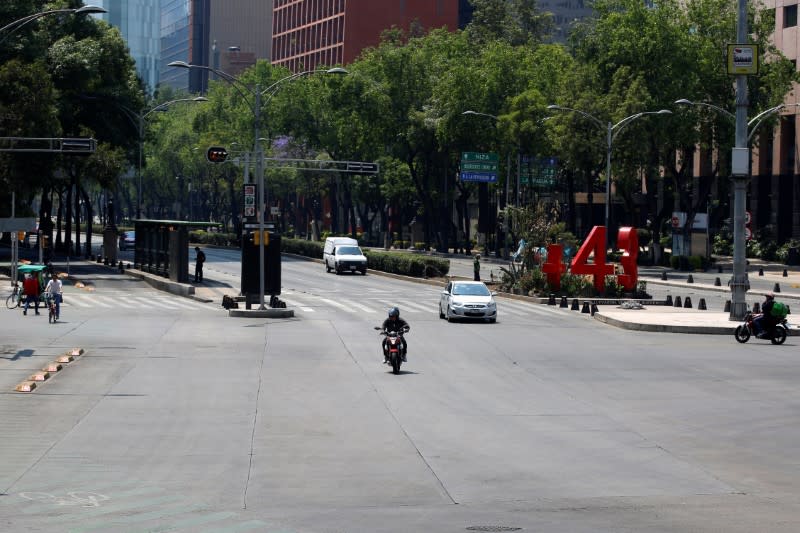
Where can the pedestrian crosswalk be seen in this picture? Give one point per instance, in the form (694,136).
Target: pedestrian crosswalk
(107,301)
(378,304)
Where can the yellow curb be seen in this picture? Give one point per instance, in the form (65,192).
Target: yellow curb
(52,367)
(39,376)
(25,386)
(65,359)
(76,351)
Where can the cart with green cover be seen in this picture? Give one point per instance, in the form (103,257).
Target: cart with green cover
(17,297)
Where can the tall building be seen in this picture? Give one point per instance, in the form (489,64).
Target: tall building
(307,33)
(139,22)
(229,36)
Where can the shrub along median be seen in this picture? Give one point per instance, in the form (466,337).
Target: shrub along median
(403,263)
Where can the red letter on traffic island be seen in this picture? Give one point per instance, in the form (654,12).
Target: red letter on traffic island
(595,242)
(628,240)
(554,266)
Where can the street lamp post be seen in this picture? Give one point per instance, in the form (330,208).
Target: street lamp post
(137,119)
(508,179)
(12,27)
(256,95)
(612,130)
(740,167)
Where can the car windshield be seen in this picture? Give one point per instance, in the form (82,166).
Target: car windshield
(470,290)
(348,250)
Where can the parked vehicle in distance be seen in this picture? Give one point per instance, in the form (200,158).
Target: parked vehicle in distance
(127,239)
(342,254)
(467,299)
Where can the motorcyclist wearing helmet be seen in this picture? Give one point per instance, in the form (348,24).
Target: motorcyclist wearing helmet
(394,323)
(766,321)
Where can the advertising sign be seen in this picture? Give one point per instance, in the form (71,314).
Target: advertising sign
(742,59)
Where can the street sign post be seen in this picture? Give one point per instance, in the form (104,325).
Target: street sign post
(479,167)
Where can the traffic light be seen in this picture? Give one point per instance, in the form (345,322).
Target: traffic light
(217,154)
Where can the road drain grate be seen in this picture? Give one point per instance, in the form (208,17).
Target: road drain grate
(493,528)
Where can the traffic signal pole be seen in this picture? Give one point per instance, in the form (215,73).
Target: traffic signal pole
(261,209)
(740,167)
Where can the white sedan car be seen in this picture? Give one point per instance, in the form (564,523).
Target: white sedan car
(467,299)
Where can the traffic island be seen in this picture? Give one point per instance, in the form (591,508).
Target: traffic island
(261,313)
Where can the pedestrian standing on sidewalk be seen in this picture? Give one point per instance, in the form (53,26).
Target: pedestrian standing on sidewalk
(30,287)
(198,265)
(476,266)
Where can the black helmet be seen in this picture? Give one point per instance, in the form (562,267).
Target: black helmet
(394,312)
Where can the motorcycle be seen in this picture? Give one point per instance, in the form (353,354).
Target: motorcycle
(393,348)
(744,331)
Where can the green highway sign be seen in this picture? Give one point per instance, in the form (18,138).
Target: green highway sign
(479,166)
(538,171)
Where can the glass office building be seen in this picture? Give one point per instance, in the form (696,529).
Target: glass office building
(139,22)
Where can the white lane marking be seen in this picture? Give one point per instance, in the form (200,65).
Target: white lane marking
(336,304)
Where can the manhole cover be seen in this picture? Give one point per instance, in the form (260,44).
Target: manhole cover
(493,528)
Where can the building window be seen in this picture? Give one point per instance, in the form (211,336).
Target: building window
(790,16)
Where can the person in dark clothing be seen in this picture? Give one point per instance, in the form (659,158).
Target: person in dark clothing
(476,267)
(394,323)
(766,321)
(198,265)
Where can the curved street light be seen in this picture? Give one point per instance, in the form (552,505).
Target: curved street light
(12,27)
(256,94)
(739,283)
(612,130)
(137,119)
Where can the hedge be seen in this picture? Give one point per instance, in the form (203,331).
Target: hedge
(406,264)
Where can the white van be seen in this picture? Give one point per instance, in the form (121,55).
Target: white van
(342,254)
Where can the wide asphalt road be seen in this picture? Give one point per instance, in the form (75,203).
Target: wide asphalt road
(179,418)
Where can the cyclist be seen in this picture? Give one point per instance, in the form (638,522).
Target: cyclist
(55,290)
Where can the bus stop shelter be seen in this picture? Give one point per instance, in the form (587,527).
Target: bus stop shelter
(162,247)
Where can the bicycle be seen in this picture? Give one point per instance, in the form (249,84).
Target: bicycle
(15,298)
(52,317)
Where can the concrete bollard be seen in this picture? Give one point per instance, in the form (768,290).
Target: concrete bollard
(585,308)
(552,299)
(575,305)
(760,271)
(727,308)
(594,308)
(777,288)
(687,303)
(664,275)
(678,302)
(701,305)
(563,302)
(690,279)
(718,282)
(785,273)
(669,299)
